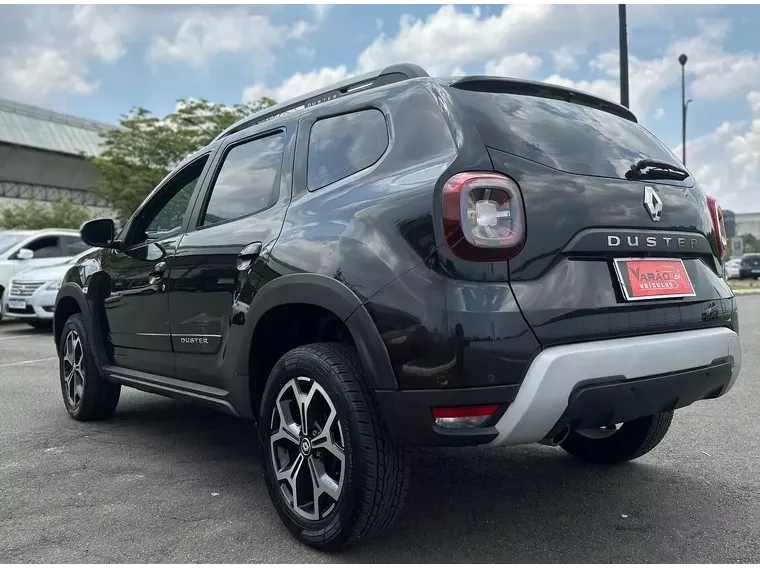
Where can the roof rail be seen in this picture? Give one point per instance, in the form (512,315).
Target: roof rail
(386,76)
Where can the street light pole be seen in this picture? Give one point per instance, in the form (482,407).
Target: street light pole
(682,60)
(622,24)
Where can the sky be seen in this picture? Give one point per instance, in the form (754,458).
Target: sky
(98,61)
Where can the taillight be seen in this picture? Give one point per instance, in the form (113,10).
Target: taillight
(719,227)
(483,216)
(463,416)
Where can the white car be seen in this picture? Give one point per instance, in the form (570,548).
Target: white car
(732,268)
(31,294)
(24,250)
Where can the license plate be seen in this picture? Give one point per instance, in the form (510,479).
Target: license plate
(16,304)
(653,278)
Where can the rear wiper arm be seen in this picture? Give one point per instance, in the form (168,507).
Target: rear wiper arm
(655,169)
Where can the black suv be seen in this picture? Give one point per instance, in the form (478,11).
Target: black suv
(400,260)
(750,266)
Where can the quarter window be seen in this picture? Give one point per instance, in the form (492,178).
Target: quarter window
(248,181)
(340,146)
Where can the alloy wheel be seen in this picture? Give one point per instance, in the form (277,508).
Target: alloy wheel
(73,368)
(307,446)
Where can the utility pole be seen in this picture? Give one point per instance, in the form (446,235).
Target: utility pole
(623,56)
(682,59)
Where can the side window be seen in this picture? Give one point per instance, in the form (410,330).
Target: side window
(74,245)
(163,216)
(343,145)
(46,247)
(248,180)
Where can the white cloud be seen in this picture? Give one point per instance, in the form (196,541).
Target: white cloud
(565,59)
(648,78)
(753,98)
(297,84)
(53,50)
(726,162)
(200,37)
(101,31)
(714,72)
(519,65)
(36,72)
(451,37)
(320,11)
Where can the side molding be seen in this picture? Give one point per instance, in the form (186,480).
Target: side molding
(332,295)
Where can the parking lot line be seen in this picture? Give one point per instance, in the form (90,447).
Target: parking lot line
(28,336)
(30,361)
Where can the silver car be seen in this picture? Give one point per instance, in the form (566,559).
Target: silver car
(31,294)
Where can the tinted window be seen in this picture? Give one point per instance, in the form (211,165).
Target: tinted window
(343,145)
(164,214)
(46,247)
(248,181)
(566,136)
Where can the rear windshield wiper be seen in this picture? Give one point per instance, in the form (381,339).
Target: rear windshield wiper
(654,169)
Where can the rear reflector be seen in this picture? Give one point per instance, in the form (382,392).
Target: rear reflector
(463,416)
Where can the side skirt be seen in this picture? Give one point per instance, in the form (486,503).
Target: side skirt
(185,391)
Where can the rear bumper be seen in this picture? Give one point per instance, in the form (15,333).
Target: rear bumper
(580,385)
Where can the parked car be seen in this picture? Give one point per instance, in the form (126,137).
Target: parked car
(22,250)
(750,266)
(732,268)
(399,260)
(31,294)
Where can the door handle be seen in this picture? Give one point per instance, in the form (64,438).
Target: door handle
(157,273)
(248,254)
(160,268)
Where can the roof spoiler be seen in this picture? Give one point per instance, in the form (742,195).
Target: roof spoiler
(386,76)
(537,89)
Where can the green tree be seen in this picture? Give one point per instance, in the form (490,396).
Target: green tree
(136,156)
(32,215)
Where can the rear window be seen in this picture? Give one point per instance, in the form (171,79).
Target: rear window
(563,135)
(753,260)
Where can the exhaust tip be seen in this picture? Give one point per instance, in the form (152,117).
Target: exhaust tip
(558,439)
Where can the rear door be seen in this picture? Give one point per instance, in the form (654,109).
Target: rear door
(584,211)
(216,268)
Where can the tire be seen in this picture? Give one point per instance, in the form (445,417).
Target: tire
(371,483)
(40,324)
(632,440)
(86,395)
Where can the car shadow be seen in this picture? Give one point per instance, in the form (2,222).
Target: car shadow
(18,327)
(522,504)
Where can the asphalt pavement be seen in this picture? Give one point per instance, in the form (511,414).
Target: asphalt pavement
(163,481)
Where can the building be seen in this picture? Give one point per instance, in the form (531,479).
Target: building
(43,156)
(748,224)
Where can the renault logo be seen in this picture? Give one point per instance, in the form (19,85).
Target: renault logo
(653,203)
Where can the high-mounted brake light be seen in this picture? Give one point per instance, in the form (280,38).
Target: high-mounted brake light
(719,227)
(483,216)
(463,416)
